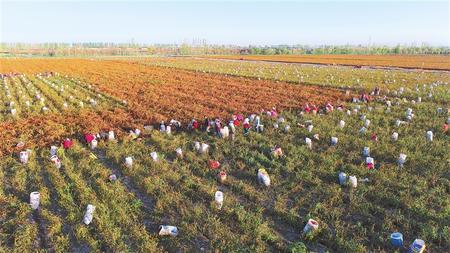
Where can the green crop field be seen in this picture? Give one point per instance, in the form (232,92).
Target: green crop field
(411,197)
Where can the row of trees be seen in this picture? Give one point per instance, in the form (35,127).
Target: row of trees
(101,48)
(349,49)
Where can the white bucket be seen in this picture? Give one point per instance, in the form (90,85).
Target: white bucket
(168,130)
(367,123)
(197,146)
(55,160)
(94,144)
(112,177)
(353,181)
(342,178)
(179,152)
(308,142)
(34,200)
(362,130)
(53,150)
(275,125)
(310,226)
(419,99)
(394,136)
(286,128)
(154,156)
(401,159)
(349,112)
(89,214)
(219,199)
(168,230)
(111,136)
(370,160)
(334,141)
(366,151)
(310,128)
(429,136)
(13,112)
(204,148)
(23,156)
(129,161)
(263,177)
(225,132)
(341,124)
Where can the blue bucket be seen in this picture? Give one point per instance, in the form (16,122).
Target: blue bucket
(397,239)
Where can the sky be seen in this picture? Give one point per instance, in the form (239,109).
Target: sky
(246,22)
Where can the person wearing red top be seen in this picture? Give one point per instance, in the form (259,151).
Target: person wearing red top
(314,109)
(307,108)
(194,124)
(364,97)
(89,138)
(67,143)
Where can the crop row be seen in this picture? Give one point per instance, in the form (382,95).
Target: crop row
(330,76)
(304,184)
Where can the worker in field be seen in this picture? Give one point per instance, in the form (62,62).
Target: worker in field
(376,91)
(217,127)
(206,124)
(193,125)
(232,127)
(364,97)
(329,107)
(246,126)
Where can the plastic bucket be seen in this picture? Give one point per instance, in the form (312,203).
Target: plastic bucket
(308,142)
(263,177)
(418,246)
(23,156)
(397,239)
(353,181)
(111,135)
(53,150)
(429,136)
(154,156)
(401,159)
(89,214)
(366,151)
(394,136)
(179,152)
(56,161)
(342,178)
(94,144)
(222,176)
(168,230)
(129,162)
(310,226)
(334,141)
(218,197)
(34,200)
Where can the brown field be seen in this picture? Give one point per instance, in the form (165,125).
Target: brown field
(152,94)
(431,62)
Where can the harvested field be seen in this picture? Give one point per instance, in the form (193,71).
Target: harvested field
(144,94)
(402,61)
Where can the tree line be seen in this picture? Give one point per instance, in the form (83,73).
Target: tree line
(129,49)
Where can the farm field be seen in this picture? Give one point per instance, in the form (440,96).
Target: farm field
(172,181)
(401,61)
(324,76)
